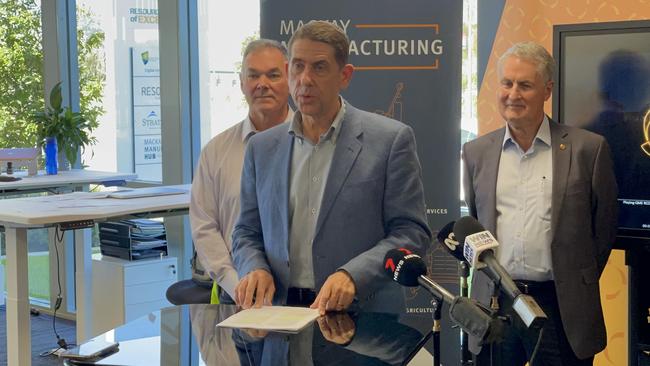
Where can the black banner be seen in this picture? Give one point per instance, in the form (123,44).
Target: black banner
(407,59)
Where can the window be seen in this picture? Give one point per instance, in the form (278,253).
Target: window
(119,77)
(222,36)
(21,94)
(469,121)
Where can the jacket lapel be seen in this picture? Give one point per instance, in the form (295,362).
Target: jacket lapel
(285,146)
(347,149)
(561,166)
(492,157)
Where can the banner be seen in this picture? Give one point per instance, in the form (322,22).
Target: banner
(407,58)
(147,147)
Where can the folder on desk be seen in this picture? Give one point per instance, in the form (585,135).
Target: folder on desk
(133,239)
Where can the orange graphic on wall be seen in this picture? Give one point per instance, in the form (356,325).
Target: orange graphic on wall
(394,110)
(646,133)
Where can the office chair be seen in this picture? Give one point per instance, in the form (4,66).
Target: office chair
(196,290)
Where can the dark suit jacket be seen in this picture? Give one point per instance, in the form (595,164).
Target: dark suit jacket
(583,223)
(373,202)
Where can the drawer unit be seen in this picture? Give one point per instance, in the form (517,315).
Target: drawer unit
(126,290)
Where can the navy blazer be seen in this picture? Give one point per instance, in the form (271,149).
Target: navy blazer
(373,202)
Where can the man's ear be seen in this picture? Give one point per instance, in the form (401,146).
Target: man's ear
(346,75)
(548,89)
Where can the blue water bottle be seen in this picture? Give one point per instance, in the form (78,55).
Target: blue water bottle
(51,152)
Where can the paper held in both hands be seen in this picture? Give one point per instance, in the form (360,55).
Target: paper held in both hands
(273,318)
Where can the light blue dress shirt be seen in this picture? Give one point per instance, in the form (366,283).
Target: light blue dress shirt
(523,203)
(310,166)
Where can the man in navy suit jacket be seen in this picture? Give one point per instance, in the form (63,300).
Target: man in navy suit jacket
(323,198)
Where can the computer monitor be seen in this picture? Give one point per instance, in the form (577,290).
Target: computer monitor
(603,85)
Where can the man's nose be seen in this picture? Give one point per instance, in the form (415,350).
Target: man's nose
(514,93)
(262,82)
(305,77)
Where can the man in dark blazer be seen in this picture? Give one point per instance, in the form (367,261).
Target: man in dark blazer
(548,193)
(324,197)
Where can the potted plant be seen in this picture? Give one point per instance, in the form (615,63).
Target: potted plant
(71,130)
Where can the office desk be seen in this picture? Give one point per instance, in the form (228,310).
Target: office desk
(377,339)
(65,181)
(73,179)
(76,210)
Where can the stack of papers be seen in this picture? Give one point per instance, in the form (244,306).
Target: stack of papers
(133,239)
(144,228)
(273,318)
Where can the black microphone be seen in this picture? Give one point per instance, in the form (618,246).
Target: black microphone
(408,269)
(478,251)
(447,239)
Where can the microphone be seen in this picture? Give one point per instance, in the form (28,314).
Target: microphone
(478,251)
(448,241)
(408,269)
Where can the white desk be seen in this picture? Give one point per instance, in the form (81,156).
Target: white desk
(19,215)
(71,179)
(65,181)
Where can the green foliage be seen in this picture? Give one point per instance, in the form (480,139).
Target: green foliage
(21,75)
(21,72)
(71,129)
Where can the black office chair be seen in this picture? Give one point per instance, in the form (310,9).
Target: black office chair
(196,290)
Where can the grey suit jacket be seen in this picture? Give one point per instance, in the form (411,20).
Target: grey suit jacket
(583,223)
(373,201)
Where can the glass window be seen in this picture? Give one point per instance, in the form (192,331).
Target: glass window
(21,95)
(221,40)
(120,85)
(469,120)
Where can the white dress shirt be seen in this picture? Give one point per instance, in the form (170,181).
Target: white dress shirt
(523,203)
(214,205)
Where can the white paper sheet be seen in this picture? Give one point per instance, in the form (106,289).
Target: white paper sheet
(276,318)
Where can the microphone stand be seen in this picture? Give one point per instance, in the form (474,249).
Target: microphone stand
(437,307)
(494,306)
(463,272)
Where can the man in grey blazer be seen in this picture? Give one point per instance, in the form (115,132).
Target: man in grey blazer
(324,197)
(548,193)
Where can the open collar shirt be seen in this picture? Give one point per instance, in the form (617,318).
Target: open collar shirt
(523,203)
(214,205)
(310,166)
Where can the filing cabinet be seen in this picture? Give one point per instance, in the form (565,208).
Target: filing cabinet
(126,290)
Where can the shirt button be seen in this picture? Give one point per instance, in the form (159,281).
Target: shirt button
(315,179)
(313,211)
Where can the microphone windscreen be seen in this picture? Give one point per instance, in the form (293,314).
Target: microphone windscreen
(404,267)
(466,225)
(447,240)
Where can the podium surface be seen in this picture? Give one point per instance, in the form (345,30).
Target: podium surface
(338,339)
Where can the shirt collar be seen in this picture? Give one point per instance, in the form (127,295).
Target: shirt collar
(543,134)
(332,133)
(249,129)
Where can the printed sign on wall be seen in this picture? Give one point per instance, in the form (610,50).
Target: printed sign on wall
(145,74)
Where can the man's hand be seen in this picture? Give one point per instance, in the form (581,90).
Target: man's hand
(336,294)
(257,284)
(256,334)
(337,328)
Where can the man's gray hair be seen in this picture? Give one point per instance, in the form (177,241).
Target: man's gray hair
(264,43)
(535,53)
(322,31)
